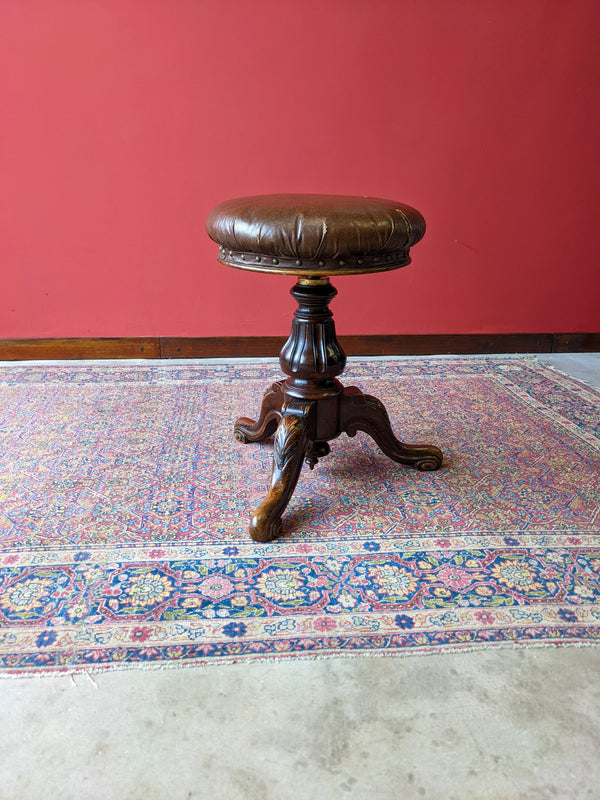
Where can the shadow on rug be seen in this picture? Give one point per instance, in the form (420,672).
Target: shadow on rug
(124,504)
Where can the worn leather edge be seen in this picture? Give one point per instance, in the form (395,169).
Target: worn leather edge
(289,266)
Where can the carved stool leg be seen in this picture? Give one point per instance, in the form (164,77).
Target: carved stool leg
(290,445)
(362,412)
(246,430)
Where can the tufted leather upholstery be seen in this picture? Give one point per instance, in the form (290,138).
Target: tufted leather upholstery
(314,234)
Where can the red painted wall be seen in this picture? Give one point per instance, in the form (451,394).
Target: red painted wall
(124,121)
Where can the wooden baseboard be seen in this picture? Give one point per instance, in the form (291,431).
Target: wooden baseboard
(256,346)
(221,346)
(390,345)
(45,349)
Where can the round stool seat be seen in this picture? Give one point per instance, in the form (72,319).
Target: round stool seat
(314,234)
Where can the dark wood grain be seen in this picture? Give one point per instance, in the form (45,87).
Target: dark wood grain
(78,348)
(576,343)
(378,345)
(221,346)
(390,344)
(447,344)
(264,346)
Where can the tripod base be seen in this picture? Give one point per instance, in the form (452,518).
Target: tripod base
(312,407)
(302,430)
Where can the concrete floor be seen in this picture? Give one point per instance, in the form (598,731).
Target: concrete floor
(498,724)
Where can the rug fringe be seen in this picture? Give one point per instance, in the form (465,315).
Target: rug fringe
(293,657)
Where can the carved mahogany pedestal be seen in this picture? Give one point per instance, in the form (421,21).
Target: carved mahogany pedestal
(313,237)
(311,407)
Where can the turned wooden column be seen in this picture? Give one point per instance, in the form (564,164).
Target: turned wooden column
(312,356)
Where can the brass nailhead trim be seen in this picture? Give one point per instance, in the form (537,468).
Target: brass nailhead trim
(347,265)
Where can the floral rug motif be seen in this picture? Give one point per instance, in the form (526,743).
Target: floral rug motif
(124,503)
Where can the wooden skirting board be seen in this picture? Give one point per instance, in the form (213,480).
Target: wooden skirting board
(254,346)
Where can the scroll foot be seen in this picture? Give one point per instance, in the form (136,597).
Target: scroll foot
(246,430)
(362,412)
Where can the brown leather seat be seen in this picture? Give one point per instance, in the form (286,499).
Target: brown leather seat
(314,234)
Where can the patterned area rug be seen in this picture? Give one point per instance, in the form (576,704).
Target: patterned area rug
(124,502)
